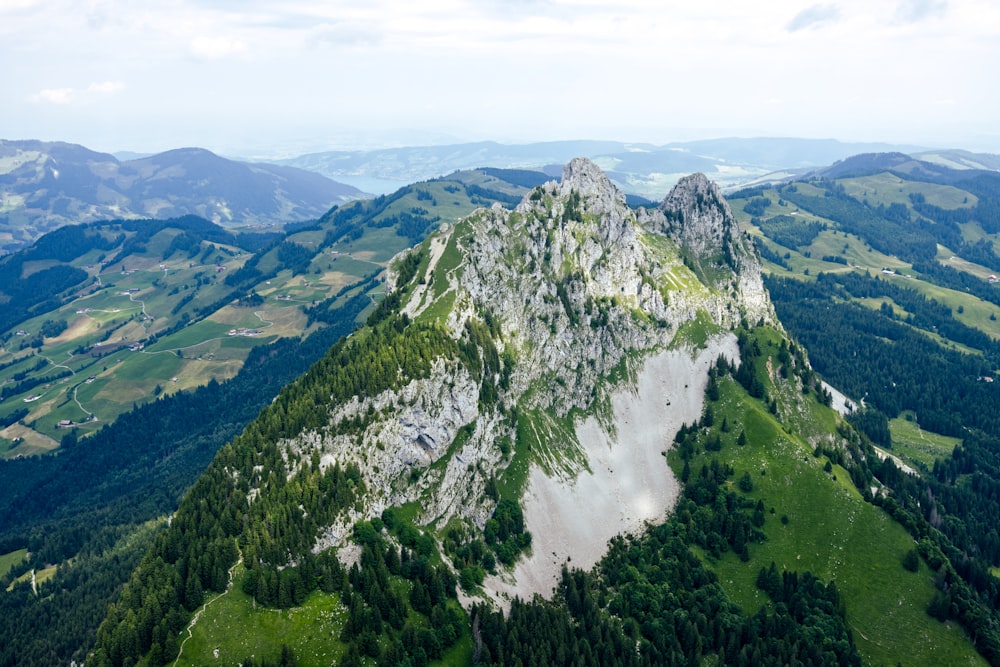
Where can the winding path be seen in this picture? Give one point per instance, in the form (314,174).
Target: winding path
(197,614)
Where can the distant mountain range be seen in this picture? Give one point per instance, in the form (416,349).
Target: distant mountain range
(45,185)
(642,169)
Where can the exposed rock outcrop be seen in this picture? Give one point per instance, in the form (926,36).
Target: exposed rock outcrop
(576,291)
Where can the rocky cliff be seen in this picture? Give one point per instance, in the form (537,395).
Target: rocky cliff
(577,299)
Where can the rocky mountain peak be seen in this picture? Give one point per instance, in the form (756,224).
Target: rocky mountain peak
(584,203)
(699,217)
(586,178)
(555,307)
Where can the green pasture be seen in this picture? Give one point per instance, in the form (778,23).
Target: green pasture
(973,232)
(917,446)
(888,189)
(975,312)
(10,559)
(831,532)
(377,246)
(353,267)
(235,626)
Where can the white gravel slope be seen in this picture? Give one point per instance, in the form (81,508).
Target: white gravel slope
(629,482)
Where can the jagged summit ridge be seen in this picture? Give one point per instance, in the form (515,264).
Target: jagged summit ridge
(571,294)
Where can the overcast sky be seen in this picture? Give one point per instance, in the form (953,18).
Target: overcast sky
(244,77)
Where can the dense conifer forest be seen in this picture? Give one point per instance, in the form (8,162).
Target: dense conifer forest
(89,499)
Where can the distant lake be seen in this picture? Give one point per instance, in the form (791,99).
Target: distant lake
(371,185)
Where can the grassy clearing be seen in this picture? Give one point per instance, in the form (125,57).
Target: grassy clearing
(947,257)
(237,628)
(975,312)
(857,254)
(973,232)
(353,267)
(377,246)
(552,441)
(831,532)
(9,560)
(450,259)
(40,576)
(917,446)
(890,189)
(43,575)
(695,333)
(459,654)
(778,207)
(439,309)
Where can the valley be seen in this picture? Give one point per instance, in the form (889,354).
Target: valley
(153,311)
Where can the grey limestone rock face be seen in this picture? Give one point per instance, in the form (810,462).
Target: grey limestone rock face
(578,289)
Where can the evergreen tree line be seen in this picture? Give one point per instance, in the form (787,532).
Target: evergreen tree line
(789,231)
(652,602)
(891,365)
(398,628)
(293,497)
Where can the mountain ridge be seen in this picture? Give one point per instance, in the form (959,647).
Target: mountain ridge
(45,185)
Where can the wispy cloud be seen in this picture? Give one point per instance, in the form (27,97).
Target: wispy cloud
(813,16)
(63,96)
(216,47)
(347,34)
(912,11)
(106,87)
(54,95)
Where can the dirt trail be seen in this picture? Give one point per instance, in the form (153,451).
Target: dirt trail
(629,482)
(197,614)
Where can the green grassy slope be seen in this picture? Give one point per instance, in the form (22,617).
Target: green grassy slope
(817,521)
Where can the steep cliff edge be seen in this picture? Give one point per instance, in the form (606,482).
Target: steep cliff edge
(592,336)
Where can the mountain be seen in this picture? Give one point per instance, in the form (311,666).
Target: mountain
(643,169)
(570,398)
(959,159)
(46,185)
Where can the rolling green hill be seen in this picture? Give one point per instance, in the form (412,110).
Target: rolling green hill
(884,267)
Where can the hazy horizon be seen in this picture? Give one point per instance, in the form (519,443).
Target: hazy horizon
(254,78)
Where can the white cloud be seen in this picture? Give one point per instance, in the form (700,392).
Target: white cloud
(217,47)
(911,11)
(502,69)
(346,34)
(64,96)
(54,95)
(106,87)
(813,16)
(17,5)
